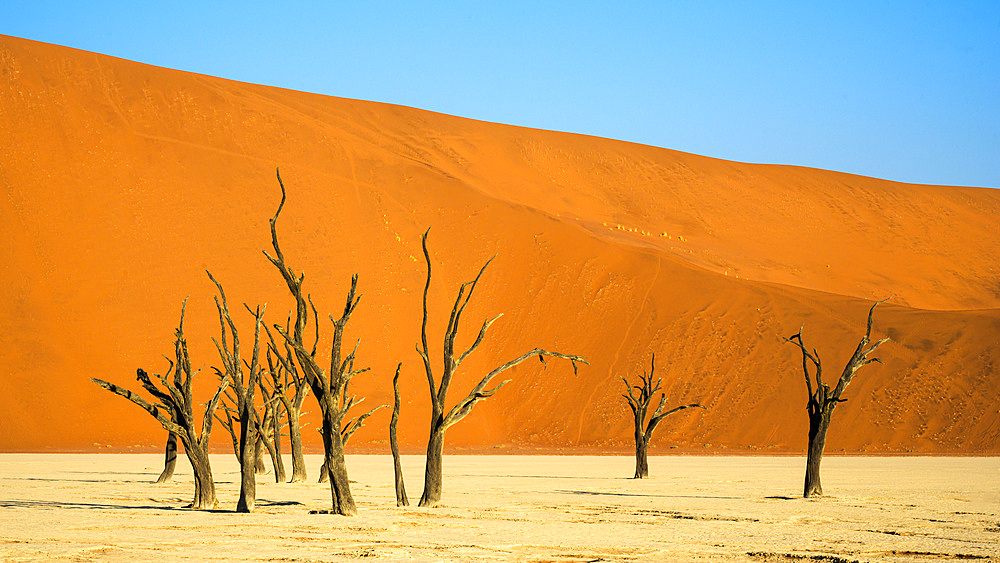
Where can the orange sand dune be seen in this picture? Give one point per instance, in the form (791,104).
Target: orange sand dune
(123,182)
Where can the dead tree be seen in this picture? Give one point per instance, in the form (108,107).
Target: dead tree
(822,400)
(401,499)
(245,386)
(264,429)
(169,459)
(638,398)
(442,419)
(347,431)
(175,412)
(285,378)
(328,386)
(269,427)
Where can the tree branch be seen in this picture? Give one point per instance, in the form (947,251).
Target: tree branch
(167,424)
(459,411)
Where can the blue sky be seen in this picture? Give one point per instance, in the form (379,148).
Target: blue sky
(907,91)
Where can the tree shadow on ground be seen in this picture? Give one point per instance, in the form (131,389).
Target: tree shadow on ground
(173,506)
(575,477)
(610,494)
(81,505)
(65,480)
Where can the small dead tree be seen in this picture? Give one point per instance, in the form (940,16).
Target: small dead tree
(285,378)
(175,412)
(442,419)
(245,385)
(401,499)
(822,400)
(638,397)
(328,387)
(269,427)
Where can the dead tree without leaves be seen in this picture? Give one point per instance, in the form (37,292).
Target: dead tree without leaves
(822,400)
(266,427)
(269,426)
(639,397)
(401,499)
(285,380)
(244,386)
(169,459)
(442,419)
(175,412)
(328,387)
(348,430)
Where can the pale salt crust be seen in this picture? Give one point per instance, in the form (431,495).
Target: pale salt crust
(104,507)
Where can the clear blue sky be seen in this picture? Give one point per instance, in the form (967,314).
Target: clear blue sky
(907,91)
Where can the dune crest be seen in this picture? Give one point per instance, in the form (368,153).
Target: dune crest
(123,182)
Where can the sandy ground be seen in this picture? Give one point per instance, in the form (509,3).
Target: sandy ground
(104,507)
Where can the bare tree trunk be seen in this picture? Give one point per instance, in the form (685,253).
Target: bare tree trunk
(401,499)
(819,424)
(295,440)
(336,468)
(248,477)
(270,437)
(433,474)
(324,471)
(258,457)
(170,459)
(275,440)
(641,462)
(204,484)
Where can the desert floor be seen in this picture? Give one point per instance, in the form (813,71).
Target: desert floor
(104,507)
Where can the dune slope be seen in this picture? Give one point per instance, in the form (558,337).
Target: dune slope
(123,182)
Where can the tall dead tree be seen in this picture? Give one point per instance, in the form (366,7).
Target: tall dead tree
(638,397)
(174,410)
(442,419)
(169,459)
(328,387)
(822,400)
(244,384)
(401,499)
